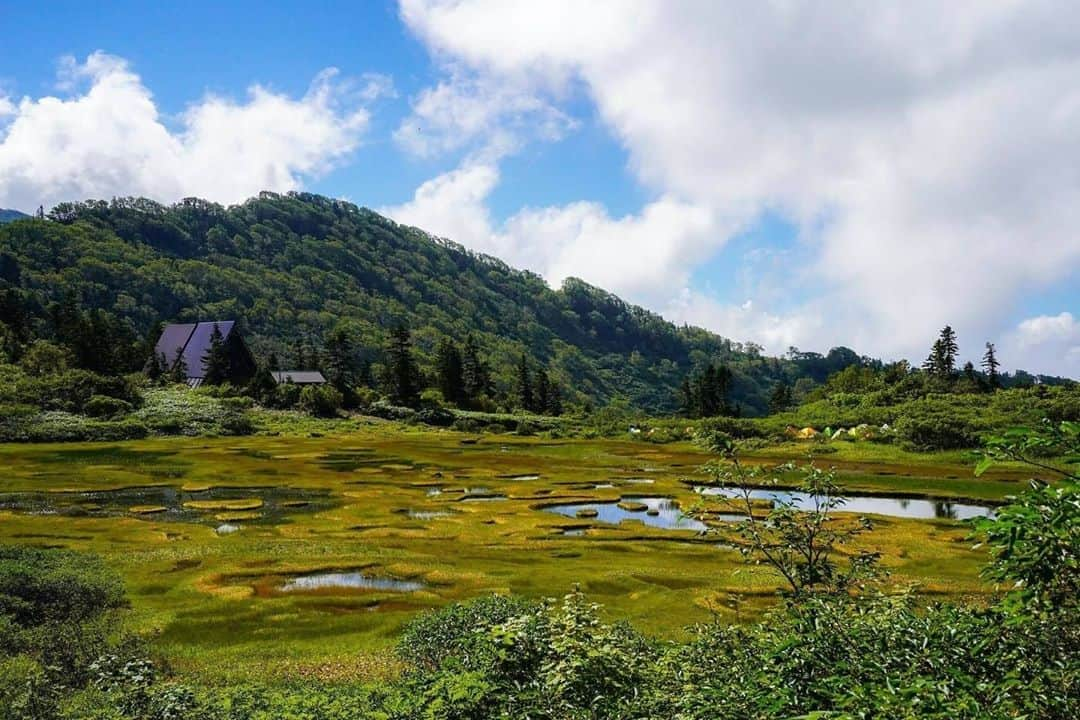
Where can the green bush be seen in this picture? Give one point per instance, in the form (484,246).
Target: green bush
(26,692)
(102,406)
(320,400)
(937,431)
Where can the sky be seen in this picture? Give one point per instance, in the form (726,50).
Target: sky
(789,173)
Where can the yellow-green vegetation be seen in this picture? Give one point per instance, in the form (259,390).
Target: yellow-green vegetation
(456,516)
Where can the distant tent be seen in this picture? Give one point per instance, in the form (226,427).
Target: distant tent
(299,377)
(192,341)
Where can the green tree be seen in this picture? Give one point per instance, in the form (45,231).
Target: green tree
(402,373)
(990,366)
(781,397)
(342,366)
(475,377)
(216,360)
(942,359)
(523,386)
(178,373)
(44,358)
(449,371)
(800,542)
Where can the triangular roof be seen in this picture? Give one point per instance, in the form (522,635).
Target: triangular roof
(194,338)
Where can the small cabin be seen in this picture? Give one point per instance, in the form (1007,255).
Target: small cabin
(190,342)
(298,377)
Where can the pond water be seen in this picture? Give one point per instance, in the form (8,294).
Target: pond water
(661,513)
(427,514)
(351,581)
(912,508)
(169,502)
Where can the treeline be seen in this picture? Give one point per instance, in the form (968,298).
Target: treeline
(293,268)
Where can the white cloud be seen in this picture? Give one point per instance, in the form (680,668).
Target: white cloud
(1045,336)
(466,110)
(111,139)
(932,148)
(580,239)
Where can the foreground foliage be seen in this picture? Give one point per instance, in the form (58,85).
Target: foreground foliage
(823,652)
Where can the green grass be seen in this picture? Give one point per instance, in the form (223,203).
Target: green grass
(212,602)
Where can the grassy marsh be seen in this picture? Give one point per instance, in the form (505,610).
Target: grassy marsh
(402,505)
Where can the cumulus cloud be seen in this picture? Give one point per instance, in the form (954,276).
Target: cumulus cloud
(1045,336)
(107,137)
(468,111)
(579,239)
(932,149)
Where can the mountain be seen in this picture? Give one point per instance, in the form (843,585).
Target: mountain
(291,267)
(7,216)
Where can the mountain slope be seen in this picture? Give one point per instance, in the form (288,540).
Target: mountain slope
(291,267)
(7,216)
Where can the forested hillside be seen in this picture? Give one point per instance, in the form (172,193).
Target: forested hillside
(294,268)
(10,215)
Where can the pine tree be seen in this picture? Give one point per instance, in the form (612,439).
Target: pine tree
(262,385)
(272,362)
(299,356)
(475,378)
(155,368)
(949,349)
(402,375)
(216,360)
(524,386)
(990,365)
(179,371)
(687,404)
(341,364)
(543,392)
(969,373)
(942,359)
(781,398)
(554,401)
(449,370)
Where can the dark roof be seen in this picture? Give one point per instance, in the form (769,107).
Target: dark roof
(300,377)
(173,337)
(194,339)
(199,344)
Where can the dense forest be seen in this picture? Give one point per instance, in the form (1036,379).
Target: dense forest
(11,215)
(294,268)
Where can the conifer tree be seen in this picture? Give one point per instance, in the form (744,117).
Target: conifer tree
(542,394)
(449,370)
(949,349)
(990,366)
(341,365)
(216,360)
(178,372)
(781,397)
(523,385)
(475,378)
(402,374)
(969,373)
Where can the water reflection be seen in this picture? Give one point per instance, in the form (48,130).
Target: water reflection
(350,580)
(659,512)
(911,508)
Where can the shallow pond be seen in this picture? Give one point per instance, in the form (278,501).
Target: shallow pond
(350,581)
(659,512)
(169,502)
(912,508)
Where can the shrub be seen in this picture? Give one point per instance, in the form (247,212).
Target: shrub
(453,630)
(437,416)
(321,400)
(936,431)
(101,406)
(389,411)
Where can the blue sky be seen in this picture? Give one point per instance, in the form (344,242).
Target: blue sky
(858,182)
